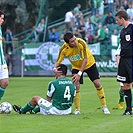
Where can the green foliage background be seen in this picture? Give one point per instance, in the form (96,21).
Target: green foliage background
(22,14)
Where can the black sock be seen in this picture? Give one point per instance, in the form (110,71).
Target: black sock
(128,99)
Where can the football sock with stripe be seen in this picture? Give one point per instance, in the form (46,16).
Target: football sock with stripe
(121,93)
(2,90)
(27,108)
(77,100)
(36,110)
(101,95)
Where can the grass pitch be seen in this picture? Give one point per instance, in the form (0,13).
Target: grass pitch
(92,120)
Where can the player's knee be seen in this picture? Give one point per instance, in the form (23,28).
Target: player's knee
(34,98)
(4,83)
(97,83)
(97,86)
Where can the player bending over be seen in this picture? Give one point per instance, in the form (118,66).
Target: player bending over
(82,60)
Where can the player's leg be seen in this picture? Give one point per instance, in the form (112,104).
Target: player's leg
(3,79)
(101,95)
(94,77)
(29,106)
(35,110)
(128,99)
(2,90)
(77,97)
(121,94)
(125,76)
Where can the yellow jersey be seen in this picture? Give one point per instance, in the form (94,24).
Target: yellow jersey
(76,54)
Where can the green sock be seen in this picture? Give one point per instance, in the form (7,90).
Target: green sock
(2,90)
(27,108)
(121,93)
(36,110)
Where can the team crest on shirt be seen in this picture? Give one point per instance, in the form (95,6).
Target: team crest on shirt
(127,37)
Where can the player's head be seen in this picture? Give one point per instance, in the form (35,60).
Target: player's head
(121,16)
(70,39)
(1,17)
(1,13)
(63,68)
(79,6)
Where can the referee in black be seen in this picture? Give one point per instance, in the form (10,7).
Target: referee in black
(125,67)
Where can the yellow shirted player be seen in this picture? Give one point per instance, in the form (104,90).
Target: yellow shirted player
(82,60)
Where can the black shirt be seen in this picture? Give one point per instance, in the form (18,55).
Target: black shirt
(126,40)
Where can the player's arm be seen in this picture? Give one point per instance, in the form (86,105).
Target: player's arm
(59,60)
(50,91)
(117,59)
(55,66)
(83,64)
(55,70)
(76,77)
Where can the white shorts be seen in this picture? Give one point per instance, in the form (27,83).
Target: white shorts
(46,108)
(3,71)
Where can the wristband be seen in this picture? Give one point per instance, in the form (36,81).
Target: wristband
(79,73)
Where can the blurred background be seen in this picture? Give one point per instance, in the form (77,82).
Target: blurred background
(33,32)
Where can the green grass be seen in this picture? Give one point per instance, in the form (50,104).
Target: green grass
(91,120)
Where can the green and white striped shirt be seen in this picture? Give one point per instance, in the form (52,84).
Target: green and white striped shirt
(2,59)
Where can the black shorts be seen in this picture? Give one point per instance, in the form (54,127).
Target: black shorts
(92,73)
(125,70)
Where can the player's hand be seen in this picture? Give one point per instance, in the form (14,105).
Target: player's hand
(57,72)
(76,78)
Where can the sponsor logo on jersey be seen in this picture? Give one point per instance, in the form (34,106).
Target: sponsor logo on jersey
(75,57)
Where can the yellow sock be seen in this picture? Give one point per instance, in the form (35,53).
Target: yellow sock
(77,100)
(101,95)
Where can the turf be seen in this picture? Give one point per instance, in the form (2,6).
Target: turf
(91,120)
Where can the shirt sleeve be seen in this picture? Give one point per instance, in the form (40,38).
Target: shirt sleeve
(51,89)
(85,47)
(61,54)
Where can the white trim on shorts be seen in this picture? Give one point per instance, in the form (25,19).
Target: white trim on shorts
(46,108)
(3,71)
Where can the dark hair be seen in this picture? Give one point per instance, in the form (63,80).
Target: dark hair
(68,36)
(122,14)
(62,68)
(1,13)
